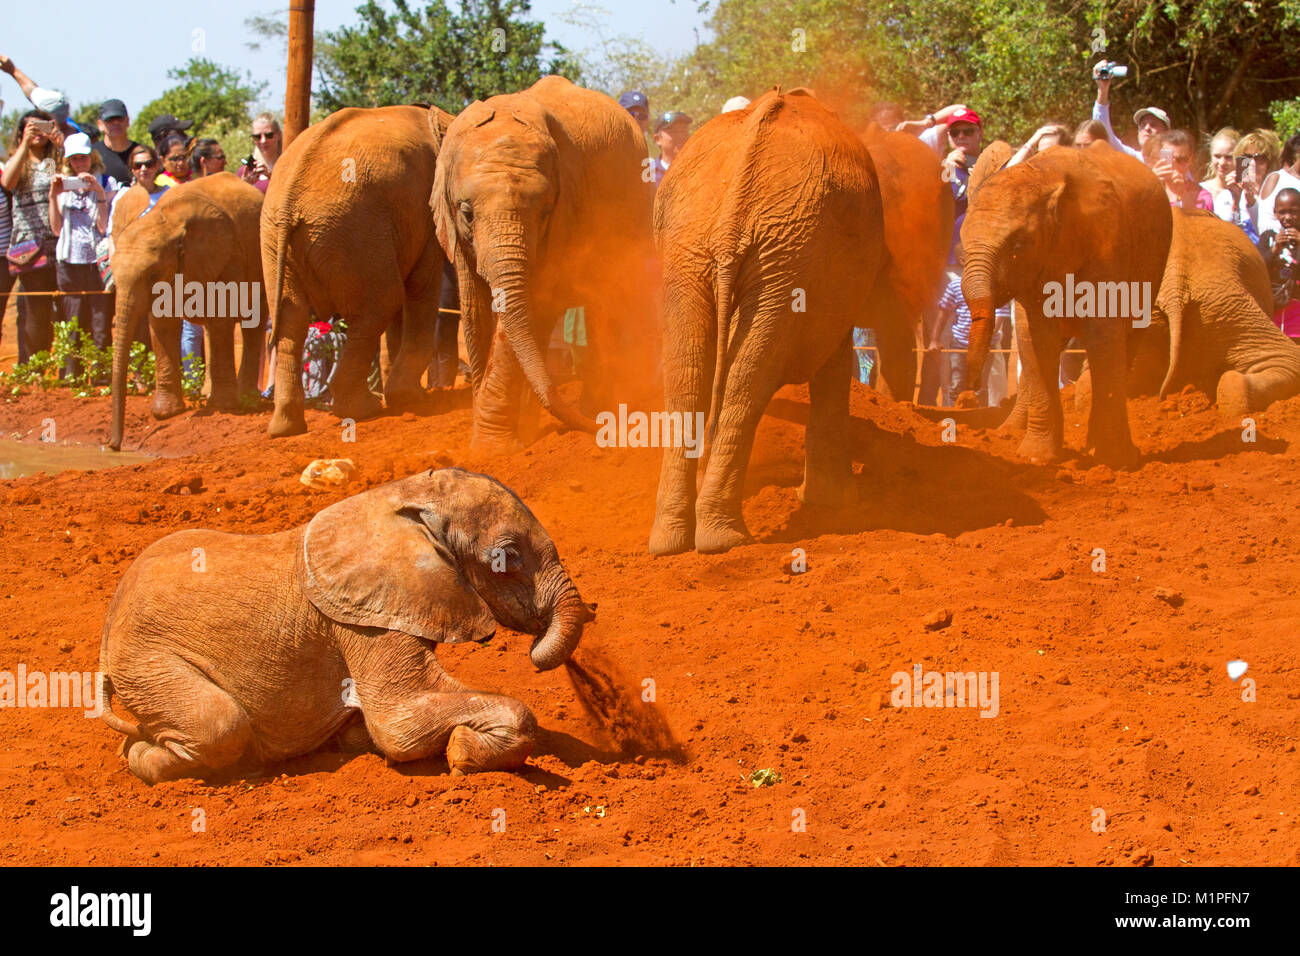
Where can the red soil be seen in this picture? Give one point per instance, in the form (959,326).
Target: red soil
(1109,697)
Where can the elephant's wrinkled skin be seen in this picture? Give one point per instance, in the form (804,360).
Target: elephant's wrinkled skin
(204,231)
(1094,214)
(233,650)
(541,204)
(769,225)
(346,230)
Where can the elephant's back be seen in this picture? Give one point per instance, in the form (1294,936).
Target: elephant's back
(228,606)
(1224,270)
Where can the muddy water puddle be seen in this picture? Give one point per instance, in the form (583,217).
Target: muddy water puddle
(27,458)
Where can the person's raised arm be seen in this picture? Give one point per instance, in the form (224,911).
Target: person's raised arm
(14,167)
(22,79)
(937,118)
(56,214)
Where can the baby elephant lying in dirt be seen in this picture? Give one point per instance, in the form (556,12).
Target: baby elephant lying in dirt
(238,650)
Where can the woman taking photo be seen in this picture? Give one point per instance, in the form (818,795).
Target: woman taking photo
(37,150)
(79,217)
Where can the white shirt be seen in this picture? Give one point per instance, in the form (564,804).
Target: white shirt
(1265,222)
(1101,113)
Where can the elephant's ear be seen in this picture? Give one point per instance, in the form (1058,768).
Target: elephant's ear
(380,559)
(992,159)
(438,122)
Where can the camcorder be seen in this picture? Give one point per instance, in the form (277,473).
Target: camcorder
(1109,70)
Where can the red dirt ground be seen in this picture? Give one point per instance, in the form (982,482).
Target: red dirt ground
(1109,697)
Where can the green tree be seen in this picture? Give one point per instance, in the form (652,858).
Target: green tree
(217,99)
(410,55)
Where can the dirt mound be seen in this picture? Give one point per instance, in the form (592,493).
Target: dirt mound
(1114,705)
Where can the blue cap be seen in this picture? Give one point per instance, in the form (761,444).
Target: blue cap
(633,98)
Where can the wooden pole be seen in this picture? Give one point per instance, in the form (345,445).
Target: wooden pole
(297,94)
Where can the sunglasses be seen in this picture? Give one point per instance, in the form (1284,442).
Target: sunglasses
(1254,157)
(145,165)
(261,136)
(174,159)
(216,159)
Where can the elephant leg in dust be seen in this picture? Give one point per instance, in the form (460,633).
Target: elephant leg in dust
(221,343)
(499,399)
(828,469)
(689,323)
(1108,429)
(1040,354)
(168,398)
(419,331)
(895,344)
(290,331)
(352,395)
(250,356)
(1263,366)
(476,731)
(199,730)
(753,376)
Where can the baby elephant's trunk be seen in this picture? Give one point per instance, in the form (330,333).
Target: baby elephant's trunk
(563,633)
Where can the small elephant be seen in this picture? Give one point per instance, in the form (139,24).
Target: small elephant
(1066,218)
(204,232)
(235,650)
(346,229)
(542,202)
(769,224)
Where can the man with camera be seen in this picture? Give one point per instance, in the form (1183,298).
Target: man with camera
(1150,120)
(1281,251)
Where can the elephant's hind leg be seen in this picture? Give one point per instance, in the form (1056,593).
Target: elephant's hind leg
(221,339)
(289,417)
(827,465)
(200,728)
(352,395)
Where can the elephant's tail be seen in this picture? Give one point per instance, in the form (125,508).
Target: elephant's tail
(277,289)
(725,280)
(106,691)
(1175,316)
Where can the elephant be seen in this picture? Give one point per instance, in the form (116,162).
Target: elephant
(542,200)
(1215,307)
(918,210)
(235,651)
(346,230)
(206,232)
(769,227)
(1093,220)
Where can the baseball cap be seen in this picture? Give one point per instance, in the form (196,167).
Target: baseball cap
(966,116)
(78,144)
(671,117)
(52,101)
(111,108)
(1152,111)
(735,103)
(161,124)
(632,99)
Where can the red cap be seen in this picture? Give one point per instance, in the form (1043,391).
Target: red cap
(965,116)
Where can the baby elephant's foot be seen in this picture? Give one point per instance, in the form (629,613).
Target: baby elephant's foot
(505,746)
(154,763)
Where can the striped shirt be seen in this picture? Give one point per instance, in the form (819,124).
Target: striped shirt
(953,301)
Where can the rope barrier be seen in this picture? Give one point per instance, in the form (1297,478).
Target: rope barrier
(61,292)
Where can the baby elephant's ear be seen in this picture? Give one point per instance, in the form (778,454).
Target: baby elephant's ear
(377,559)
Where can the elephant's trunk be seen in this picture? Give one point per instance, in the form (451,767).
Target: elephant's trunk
(505,267)
(568,615)
(124,325)
(977,287)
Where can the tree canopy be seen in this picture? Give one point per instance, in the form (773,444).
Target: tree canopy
(217,99)
(435,55)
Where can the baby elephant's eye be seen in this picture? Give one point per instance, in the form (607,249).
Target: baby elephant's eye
(504,559)
(466,212)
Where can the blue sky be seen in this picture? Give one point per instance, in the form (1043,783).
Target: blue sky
(73,46)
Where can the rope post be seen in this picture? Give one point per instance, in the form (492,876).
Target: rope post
(297,93)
